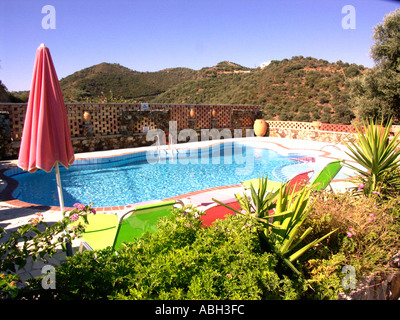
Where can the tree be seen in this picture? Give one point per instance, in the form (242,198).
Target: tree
(3,93)
(375,94)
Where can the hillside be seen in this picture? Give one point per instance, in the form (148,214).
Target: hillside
(91,82)
(97,81)
(299,89)
(296,89)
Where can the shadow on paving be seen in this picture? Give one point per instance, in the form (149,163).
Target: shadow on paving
(8,214)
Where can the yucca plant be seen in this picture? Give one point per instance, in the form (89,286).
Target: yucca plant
(262,201)
(281,230)
(377,158)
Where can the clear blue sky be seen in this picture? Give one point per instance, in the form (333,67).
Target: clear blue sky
(151,35)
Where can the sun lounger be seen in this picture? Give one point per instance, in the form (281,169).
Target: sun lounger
(109,230)
(296,182)
(320,182)
(215,211)
(326,175)
(205,199)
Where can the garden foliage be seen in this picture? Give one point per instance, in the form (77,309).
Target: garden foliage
(377,159)
(282,214)
(183,260)
(37,240)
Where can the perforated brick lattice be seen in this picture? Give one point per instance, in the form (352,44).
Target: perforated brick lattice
(106,118)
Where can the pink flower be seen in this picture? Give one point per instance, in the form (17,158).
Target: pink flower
(360,186)
(79,206)
(74,217)
(371,217)
(351,233)
(34,221)
(93,210)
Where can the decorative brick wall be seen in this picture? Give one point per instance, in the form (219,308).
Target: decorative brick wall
(135,121)
(114,126)
(244,118)
(106,118)
(310,126)
(290,125)
(126,120)
(5,135)
(337,127)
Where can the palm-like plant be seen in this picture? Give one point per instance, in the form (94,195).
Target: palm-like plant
(282,213)
(376,156)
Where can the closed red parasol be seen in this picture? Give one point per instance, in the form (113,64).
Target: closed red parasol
(46,139)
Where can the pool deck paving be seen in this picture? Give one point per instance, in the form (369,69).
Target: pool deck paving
(14,215)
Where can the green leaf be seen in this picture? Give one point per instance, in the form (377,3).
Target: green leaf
(300,252)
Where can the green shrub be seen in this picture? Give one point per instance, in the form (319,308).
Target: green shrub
(37,238)
(183,260)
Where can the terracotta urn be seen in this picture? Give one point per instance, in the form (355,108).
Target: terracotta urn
(260,127)
(214,113)
(86,116)
(192,113)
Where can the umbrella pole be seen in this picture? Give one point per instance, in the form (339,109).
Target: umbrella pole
(59,188)
(60,197)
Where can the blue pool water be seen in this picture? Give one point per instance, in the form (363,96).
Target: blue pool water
(156,175)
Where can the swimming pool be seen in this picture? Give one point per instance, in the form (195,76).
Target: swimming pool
(159,174)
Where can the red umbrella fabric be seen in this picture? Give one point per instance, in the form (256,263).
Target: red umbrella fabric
(46,139)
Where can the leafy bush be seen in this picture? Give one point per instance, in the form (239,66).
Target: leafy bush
(38,240)
(184,260)
(29,241)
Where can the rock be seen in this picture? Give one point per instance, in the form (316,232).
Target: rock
(395,261)
(378,286)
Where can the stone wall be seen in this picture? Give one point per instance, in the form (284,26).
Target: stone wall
(381,285)
(384,285)
(311,134)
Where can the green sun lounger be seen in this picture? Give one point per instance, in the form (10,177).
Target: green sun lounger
(320,182)
(326,175)
(109,230)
